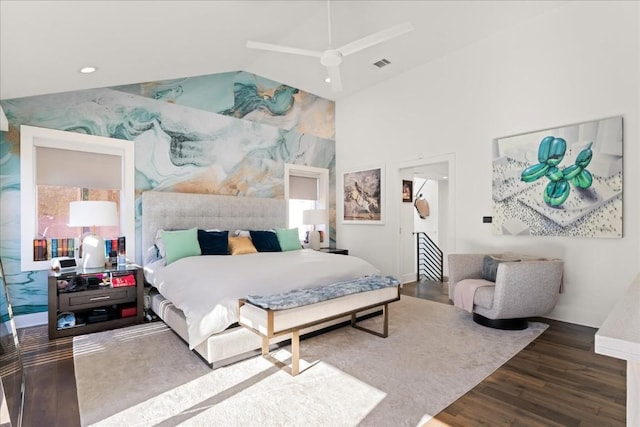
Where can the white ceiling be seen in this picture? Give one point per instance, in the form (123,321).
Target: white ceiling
(43,44)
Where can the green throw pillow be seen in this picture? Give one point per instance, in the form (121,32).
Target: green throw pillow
(288,239)
(180,244)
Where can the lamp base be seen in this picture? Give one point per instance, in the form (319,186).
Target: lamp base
(314,240)
(93,251)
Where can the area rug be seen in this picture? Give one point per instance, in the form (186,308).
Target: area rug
(146,376)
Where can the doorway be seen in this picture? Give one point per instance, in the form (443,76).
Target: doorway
(432,181)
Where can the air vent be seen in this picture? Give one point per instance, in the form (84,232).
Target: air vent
(382,63)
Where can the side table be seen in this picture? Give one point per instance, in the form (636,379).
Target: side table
(95,307)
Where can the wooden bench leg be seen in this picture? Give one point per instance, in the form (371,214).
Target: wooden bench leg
(386,320)
(265,346)
(295,353)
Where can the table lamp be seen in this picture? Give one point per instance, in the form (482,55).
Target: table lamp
(314,217)
(91,214)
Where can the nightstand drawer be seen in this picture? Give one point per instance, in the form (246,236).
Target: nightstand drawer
(97,298)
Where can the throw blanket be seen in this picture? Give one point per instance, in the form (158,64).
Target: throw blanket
(300,297)
(465,291)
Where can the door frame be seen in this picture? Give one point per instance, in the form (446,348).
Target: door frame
(450,208)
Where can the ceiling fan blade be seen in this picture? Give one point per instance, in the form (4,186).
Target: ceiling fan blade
(375,38)
(336,80)
(283,49)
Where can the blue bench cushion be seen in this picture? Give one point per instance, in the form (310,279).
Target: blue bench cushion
(300,297)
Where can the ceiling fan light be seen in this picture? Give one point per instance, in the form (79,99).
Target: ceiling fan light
(331,58)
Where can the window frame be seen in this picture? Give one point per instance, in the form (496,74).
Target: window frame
(32,137)
(322,175)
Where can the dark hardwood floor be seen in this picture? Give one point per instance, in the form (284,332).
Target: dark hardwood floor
(557,380)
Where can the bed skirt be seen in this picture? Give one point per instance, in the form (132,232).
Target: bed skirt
(233,344)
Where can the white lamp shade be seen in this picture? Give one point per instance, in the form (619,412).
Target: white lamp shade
(314,217)
(92,213)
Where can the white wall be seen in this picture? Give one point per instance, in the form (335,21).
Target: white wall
(577,63)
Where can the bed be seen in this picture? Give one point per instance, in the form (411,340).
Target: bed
(202,308)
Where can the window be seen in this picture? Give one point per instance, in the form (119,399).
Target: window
(53,211)
(57,167)
(306,188)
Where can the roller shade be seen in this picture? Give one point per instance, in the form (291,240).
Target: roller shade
(303,188)
(68,168)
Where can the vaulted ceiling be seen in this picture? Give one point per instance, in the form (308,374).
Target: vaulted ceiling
(43,44)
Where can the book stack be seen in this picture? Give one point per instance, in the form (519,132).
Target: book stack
(44,249)
(40,250)
(110,246)
(63,247)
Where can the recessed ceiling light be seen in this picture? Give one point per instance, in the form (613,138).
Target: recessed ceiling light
(328,80)
(87,70)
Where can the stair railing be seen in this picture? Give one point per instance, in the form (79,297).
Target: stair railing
(429,259)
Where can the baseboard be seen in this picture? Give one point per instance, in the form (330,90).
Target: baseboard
(32,319)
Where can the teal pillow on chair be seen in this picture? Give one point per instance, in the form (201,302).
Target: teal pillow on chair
(180,244)
(288,239)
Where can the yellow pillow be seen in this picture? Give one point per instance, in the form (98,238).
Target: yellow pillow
(241,245)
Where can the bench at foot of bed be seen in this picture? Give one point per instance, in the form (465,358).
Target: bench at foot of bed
(271,323)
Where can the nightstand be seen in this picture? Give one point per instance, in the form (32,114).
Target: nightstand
(335,251)
(96,305)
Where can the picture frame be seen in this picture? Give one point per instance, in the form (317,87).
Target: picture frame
(363,195)
(407,191)
(562,181)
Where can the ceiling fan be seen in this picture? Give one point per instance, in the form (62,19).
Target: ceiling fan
(332,58)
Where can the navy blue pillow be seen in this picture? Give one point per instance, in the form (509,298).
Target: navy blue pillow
(265,241)
(213,242)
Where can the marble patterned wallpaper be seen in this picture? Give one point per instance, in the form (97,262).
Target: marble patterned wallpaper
(229,133)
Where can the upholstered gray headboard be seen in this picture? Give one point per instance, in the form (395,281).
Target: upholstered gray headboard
(176,211)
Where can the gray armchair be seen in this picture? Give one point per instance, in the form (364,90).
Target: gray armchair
(525,287)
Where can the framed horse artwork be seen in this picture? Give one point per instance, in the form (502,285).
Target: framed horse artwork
(363,191)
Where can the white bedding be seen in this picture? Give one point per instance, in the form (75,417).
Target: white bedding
(207,288)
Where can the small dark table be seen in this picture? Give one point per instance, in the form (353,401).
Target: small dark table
(122,305)
(335,251)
